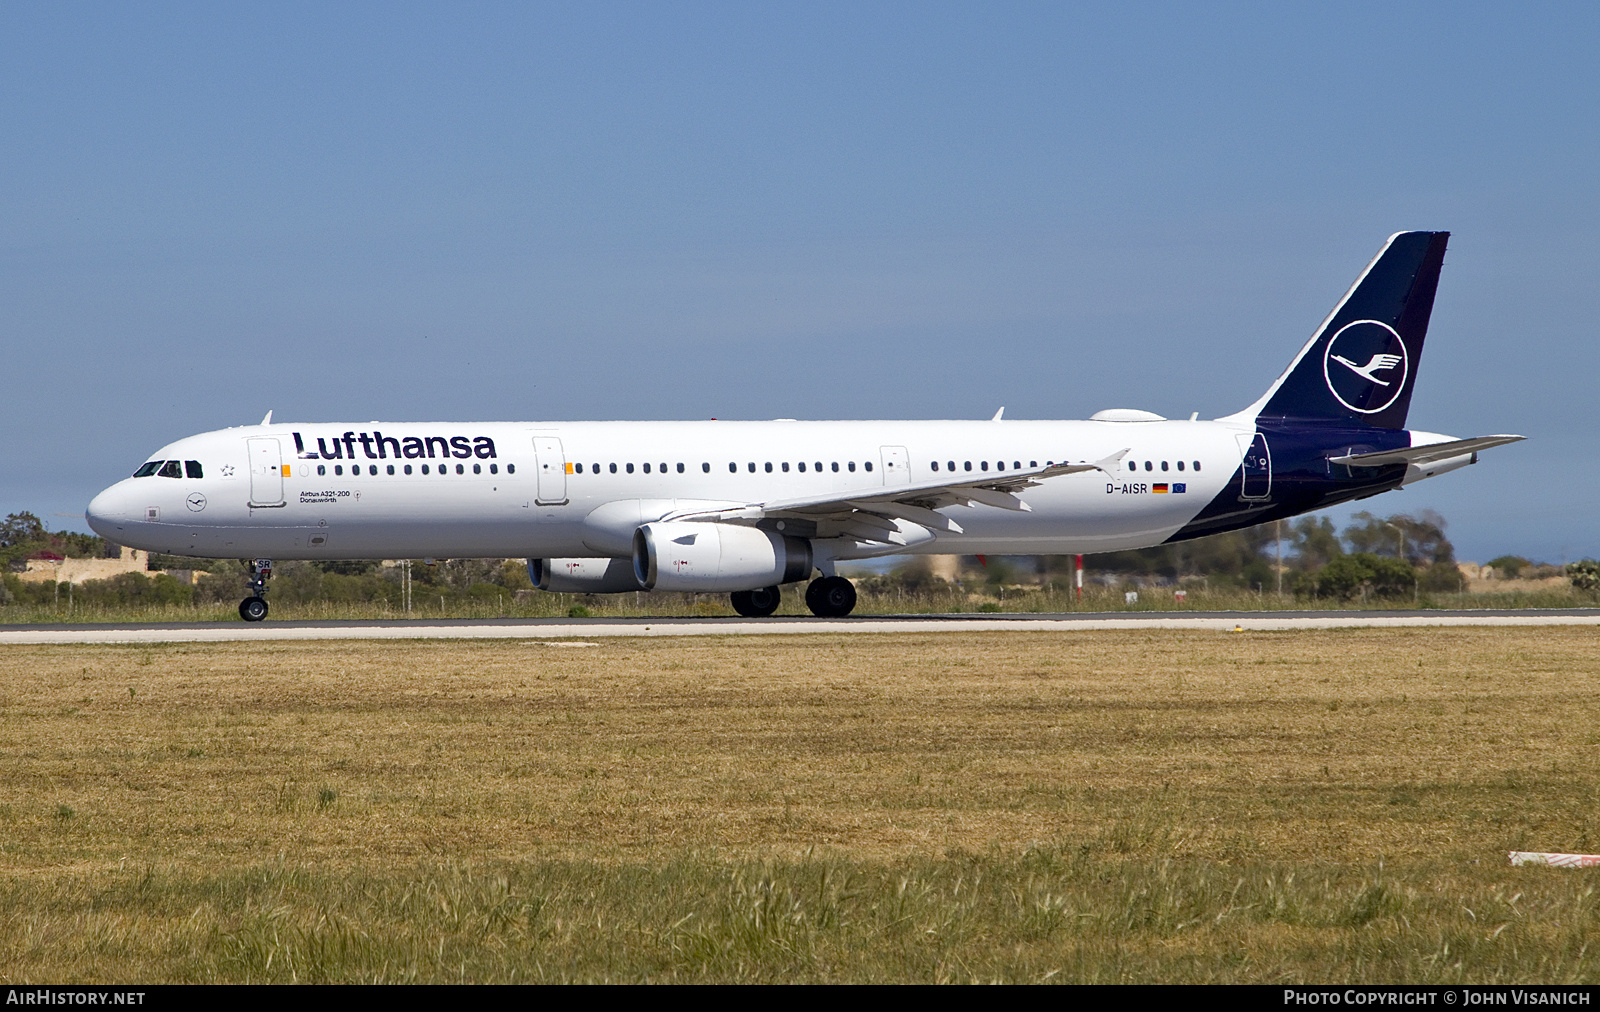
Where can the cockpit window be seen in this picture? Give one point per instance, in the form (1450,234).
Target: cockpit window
(146,470)
(192,467)
(171,469)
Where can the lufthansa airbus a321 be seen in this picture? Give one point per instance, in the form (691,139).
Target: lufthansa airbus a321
(745,507)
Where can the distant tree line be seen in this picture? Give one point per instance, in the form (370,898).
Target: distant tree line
(1393,556)
(1384,557)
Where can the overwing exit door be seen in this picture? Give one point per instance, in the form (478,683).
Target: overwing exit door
(896,465)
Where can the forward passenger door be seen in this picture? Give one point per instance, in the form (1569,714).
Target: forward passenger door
(267,471)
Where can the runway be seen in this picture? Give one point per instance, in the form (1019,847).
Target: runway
(565,629)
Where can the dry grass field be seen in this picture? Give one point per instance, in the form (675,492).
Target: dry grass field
(1087,806)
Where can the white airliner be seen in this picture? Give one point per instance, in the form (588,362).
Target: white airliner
(744,507)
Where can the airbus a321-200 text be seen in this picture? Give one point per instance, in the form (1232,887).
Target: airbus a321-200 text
(745,507)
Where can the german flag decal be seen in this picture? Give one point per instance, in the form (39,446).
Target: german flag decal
(1159,486)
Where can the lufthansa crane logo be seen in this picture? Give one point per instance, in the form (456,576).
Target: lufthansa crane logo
(1366,366)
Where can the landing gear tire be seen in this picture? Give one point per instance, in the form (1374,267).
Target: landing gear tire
(756,603)
(831,597)
(253,609)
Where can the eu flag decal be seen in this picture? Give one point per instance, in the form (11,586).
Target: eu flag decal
(1179,486)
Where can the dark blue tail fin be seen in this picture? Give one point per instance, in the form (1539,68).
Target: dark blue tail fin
(1362,363)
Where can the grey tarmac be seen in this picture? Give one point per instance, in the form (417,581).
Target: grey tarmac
(593,628)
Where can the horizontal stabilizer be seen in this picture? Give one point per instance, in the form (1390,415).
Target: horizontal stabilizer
(1424,455)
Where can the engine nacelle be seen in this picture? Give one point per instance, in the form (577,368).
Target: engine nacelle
(583,576)
(685,555)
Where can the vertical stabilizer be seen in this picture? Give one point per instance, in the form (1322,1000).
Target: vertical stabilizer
(1362,363)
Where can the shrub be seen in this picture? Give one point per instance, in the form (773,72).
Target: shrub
(1584,574)
(1381,576)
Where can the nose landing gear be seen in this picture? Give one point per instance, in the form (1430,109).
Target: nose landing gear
(254,607)
(831,597)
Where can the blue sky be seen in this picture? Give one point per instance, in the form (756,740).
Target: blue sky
(680,210)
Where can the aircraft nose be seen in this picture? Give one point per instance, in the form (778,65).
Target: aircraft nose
(107,512)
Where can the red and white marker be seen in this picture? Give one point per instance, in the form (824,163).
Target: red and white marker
(1556,860)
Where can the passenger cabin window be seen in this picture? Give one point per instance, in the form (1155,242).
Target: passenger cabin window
(408,469)
(147,469)
(936,465)
(323,469)
(630,468)
(578,468)
(851,465)
(646,469)
(1180,465)
(867,465)
(511,469)
(1163,465)
(733,468)
(390,468)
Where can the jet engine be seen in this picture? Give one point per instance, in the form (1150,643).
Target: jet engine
(583,576)
(685,555)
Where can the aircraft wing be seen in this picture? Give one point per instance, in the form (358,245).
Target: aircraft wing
(869,513)
(1421,456)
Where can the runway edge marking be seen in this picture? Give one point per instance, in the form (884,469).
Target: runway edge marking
(241,633)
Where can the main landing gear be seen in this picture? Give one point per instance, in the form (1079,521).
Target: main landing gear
(831,597)
(756,603)
(254,607)
(827,597)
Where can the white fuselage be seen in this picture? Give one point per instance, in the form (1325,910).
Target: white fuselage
(582,488)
